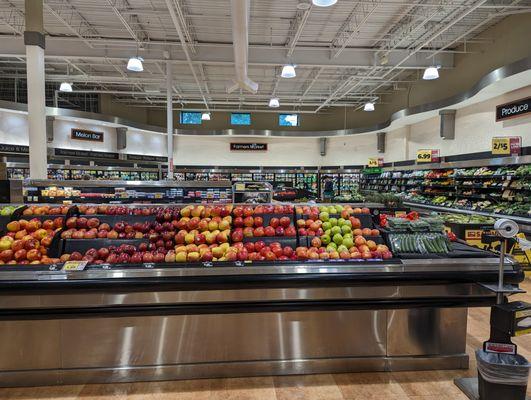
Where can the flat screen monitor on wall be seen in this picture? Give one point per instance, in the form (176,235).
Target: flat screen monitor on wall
(240,119)
(288,119)
(190,118)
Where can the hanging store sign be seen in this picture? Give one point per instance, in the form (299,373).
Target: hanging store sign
(375,162)
(86,154)
(14,148)
(83,134)
(248,146)
(428,156)
(507,146)
(513,109)
(141,157)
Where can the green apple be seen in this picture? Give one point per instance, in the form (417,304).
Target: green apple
(333,221)
(348,242)
(325,239)
(338,239)
(348,235)
(323,216)
(326,225)
(339,208)
(348,223)
(332,210)
(342,248)
(331,247)
(328,232)
(335,230)
(341,221)
(323,209)
(345,229)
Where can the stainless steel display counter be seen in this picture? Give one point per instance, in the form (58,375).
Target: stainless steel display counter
(130,323)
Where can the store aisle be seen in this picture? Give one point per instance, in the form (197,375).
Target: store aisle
(425,385)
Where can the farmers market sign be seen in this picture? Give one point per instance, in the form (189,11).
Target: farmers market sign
(506,146)
(513,109)
(248,146)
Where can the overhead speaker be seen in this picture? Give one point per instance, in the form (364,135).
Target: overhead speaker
(447,128)
(380,144)
(49,129)
(121,138)
(322,143)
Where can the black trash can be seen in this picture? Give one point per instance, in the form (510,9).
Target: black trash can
(502,376)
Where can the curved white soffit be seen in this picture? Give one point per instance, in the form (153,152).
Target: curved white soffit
(496,83)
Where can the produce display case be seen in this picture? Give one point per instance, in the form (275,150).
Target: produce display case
(43,191)
(19,171)
(239,274)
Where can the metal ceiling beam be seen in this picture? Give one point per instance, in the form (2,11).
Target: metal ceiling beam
(13,18)
(129,21)
(74,21)
(296,28)
(352,26)
(180,10)
(214,55)
(175,19)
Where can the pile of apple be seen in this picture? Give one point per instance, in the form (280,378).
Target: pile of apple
(205,253)
(346,247)
(159,212)
(27,242)
(123,254)
(266,209)
(45,210)
(249,227)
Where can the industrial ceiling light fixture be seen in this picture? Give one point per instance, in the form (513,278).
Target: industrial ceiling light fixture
(288,71)
(431,73)
(65,87)
(324,3)
(135,64)
(369,106)
(205,116)
(274,102)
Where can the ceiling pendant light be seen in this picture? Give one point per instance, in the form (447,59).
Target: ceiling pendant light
(324,3)
(288,71)
(430,73)
(274,103)
(368,106)
(65,87)
(205,116)
(135,64)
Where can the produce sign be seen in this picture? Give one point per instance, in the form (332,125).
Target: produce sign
(510,145)
(248,146)
(83,134)
(375,162)
(513,109)
(14,148)
(141,157)
(427,156)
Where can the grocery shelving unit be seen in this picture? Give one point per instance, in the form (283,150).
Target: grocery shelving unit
(498,187)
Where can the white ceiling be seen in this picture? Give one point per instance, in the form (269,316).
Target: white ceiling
(346,54)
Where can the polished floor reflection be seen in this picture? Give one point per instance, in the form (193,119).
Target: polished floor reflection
(424,385)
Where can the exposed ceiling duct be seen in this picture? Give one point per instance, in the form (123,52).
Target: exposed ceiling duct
(240,40)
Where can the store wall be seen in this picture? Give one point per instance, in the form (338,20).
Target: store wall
(13,128)
(475,126)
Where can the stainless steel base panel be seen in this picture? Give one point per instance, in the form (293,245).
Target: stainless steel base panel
(46,352)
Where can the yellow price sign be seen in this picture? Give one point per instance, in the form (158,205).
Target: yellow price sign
(373,162)
(74,265)
(501,145)
(424,156)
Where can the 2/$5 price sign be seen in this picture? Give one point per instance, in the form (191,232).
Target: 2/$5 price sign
(375,162)
(507,146)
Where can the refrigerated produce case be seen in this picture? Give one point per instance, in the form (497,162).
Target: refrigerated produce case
(46,191)
(19,171)
(116,323)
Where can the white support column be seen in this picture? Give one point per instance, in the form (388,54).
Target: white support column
(34,41)
(169,117)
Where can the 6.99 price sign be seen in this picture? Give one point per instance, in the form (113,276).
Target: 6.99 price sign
(428,156)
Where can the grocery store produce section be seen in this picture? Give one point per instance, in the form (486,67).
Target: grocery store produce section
(272,279)
(503,190)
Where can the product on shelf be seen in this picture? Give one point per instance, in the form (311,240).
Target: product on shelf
(6,211)
(27,242)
